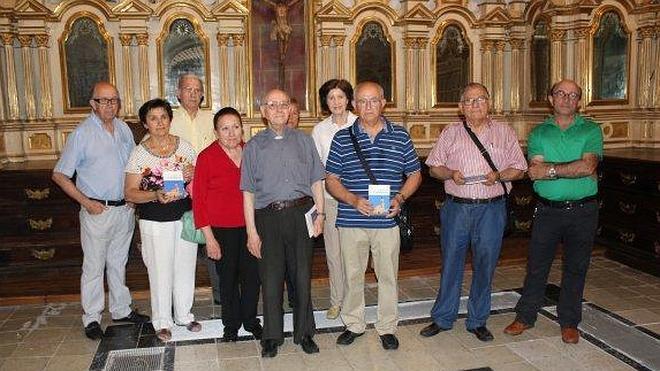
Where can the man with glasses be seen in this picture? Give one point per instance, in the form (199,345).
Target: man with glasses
(281,179)
(563,152)
(97,151)
(196,126)
(389,153)
(474,212)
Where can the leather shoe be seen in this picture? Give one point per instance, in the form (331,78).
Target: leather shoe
(308,345)
(516,328)
(230,335)
(194,326)
(94,331)
(482,333)
(347,337)
(134,317)
(432,330)
(256,330)
(164,335)
(269,348)
(570,335)
(389,341)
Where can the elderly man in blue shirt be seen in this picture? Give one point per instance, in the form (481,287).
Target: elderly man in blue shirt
(97,152)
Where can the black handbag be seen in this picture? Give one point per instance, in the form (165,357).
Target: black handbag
(403,219)
(509,227)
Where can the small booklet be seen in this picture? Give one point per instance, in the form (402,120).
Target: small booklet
(173,183)
(310,217)
(379,198)
(475,179)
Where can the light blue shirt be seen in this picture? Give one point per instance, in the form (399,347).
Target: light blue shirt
(98,158)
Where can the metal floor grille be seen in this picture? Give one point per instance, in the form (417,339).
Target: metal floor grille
(143,359)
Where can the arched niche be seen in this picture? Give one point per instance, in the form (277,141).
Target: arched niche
(540,61)
(373,56)
(610,57)
(452,61)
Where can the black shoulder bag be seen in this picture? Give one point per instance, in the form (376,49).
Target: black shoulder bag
(403,218)
(509,227)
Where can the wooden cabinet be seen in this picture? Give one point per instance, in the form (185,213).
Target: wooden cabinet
(629,222)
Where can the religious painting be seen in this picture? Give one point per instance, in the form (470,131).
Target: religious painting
(540,50)
(452,65)
(373,57)
(184,51)
(87,59)
(279,48)
(610,71)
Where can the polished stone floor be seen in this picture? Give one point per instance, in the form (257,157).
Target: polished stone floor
(620,328)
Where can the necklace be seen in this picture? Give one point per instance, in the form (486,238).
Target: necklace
(162,146)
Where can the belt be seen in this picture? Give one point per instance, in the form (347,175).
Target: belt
(281,205)
(475,200)
(566,204)
(121,202)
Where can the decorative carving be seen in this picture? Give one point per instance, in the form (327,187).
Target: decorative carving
(487,45)
(325,40)
(557,35)
(142,38)
(223,39)
(42,40)
(628,179)
(40,224)
(7,38)
(646,32)
(410,42)
(43,254)
(581,32)
(524,226)
(422,42)
(517,43)
(126,39)
(626,237)
(339,40)
(37,194)
(499,46)
(40,141)
(238,39)
(627,208)
(522,200)
(25,40)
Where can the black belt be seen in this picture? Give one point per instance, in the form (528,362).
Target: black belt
(475,200)
(121,202)
(281,205)
(566,204)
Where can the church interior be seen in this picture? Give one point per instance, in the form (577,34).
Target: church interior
(422,52)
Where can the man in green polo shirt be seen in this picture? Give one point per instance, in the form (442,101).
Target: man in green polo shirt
(563,152)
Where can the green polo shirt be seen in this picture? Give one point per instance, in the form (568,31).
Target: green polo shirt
(557,145)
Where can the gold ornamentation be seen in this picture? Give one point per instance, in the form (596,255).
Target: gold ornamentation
(40,224)
(438,204)
(499,46)
(125,39)
(43,254)
(517,43)
(325,40)
(626,237)
(410,42)
(7,38)
(25,40)
(339,40)
(238,39)
(628,179)
(223,39)
(40,141)
(523,226)
(557,35)
(42,40)
(422,41)
(522,200)
(487,45)
(627,208)
(646,32)
(37,194)
(581,32)
(142,38)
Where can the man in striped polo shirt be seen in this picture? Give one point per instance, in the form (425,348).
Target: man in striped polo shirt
(389,153)
(474,211)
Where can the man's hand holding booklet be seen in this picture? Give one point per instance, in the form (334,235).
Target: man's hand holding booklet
(475,179)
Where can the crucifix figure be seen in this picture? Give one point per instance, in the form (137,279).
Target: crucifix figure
(281,30)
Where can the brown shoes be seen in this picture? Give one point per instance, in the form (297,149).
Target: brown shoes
(570,335)
(516,328)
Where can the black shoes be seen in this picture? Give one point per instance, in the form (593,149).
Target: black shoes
(256,330)
(482,333)
(94,331)
(134,317)
(432,330)
(230,335)
(269,348)
(389,341)
(347,337)
(308,345)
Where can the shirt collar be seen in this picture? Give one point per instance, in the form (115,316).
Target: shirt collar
(577,120)
(97,120)
(387,128)
(273,135)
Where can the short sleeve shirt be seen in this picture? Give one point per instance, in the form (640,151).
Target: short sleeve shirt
(390,157)
(561,146)
(198,131)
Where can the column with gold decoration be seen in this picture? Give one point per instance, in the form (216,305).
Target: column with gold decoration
(28,83)
(44,77)
(10,75)
(127,98)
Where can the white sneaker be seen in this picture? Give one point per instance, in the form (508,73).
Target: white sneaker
(333,312)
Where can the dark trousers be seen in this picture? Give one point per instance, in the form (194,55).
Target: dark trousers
(239,279)
(575,229)
(285,245)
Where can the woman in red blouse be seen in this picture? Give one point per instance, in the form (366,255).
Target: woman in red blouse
(218,212)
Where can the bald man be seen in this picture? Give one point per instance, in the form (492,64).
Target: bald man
(97,151)
(281,179)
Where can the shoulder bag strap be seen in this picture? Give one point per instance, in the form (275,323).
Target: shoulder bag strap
(360,155)
(484,153)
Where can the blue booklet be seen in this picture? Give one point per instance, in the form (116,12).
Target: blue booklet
(379,198)
(173,183)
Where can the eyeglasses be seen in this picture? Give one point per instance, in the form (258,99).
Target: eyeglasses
(191,90)
(562,94)
(107,101)
(367,102)
(478,100)
(284,105)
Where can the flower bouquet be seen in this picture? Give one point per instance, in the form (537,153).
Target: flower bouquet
(167,175)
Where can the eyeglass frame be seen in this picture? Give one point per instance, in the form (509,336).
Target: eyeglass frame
(107,101)
(273,105)
(572,96)
(479,100)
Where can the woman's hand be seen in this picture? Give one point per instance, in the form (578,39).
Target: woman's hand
(163,197)
(213,249)
(188,172)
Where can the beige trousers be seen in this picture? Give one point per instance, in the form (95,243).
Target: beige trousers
(356,244)
(333,254)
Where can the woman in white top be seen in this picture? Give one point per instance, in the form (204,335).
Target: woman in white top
(336,97)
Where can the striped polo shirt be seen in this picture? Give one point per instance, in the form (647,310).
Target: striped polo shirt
(390,156)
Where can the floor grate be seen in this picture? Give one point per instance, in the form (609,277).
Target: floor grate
(144,359)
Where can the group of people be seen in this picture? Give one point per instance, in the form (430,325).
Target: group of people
(250,201)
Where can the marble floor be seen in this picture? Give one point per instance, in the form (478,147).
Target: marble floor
(620,331)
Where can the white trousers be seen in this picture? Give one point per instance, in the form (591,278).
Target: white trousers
(333,253)
(171,265)
(105,239)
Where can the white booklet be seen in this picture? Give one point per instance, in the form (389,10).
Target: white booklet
(310,217)
(173,183)
(379,198)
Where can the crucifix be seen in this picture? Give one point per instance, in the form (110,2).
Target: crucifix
(281,31)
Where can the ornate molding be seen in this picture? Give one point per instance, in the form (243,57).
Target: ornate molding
(499,46)
(487,45)
(142,38)
(223,39)
(7,38)
(238,38)
(25,40)
(646,32)
(42,40)
(325,40)
(422,42)
(339,39)
(125,39)
(557,35)
(582,32)
(517,43)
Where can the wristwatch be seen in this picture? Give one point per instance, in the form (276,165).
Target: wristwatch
(552,172)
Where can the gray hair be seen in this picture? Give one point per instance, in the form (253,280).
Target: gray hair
(189,76)
(471,85)
(362,84)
